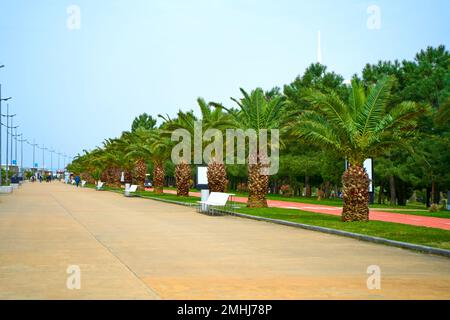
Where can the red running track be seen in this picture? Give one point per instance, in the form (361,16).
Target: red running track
(423,221)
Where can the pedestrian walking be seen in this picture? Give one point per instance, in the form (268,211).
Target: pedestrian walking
(77,180)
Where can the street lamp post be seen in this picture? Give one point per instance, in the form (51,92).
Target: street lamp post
(43,157)
(34,145)
(51,160)
(21,154)
(11,137)
(7,139)
(15,161)
(15,147)
(1,99)
(34,153)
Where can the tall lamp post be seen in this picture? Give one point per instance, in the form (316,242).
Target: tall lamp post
(51,160)
(11,137)
(22,140)
(15,161)
(15,147)
(7,138)
(34,154)
(43,157)
(1,99)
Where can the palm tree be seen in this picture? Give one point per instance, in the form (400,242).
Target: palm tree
(212,117)
(258,111)
(87,165)
(160,150)
(116,159)
(95,165)
(138,149)
(153,145)
(184,120)
(357,130)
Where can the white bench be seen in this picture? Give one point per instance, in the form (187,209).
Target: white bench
(83,183)
(99,186)
(132,189)
(215,199)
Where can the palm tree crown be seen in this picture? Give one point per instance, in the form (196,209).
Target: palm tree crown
(361,128)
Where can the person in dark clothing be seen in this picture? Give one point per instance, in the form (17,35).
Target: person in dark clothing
(77,180)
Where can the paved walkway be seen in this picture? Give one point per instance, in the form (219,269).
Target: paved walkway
(130,248)
(375,214)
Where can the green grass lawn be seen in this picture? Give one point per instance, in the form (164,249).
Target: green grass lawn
(334,202)
(394,231)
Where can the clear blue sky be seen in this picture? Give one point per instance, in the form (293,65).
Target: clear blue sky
(73,88)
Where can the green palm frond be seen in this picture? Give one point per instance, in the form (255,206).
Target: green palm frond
(361,128)
(357,98)
(317,130)
(374,107)
(336,111)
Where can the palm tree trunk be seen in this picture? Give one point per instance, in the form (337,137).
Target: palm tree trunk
(158,177)
(111,176)
(356,194)
(217,177)
(128,176)
(257,187)
(183,179)
(88,177)
(140,168)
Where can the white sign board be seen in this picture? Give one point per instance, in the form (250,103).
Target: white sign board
(202,175)
(368,166)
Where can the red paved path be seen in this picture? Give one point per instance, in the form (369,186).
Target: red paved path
(440,223)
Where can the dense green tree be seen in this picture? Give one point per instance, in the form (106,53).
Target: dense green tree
(423,80)
(357,130)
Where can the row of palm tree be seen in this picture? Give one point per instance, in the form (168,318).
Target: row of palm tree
(364,126)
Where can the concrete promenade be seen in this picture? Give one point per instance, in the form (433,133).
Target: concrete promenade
(133,248)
